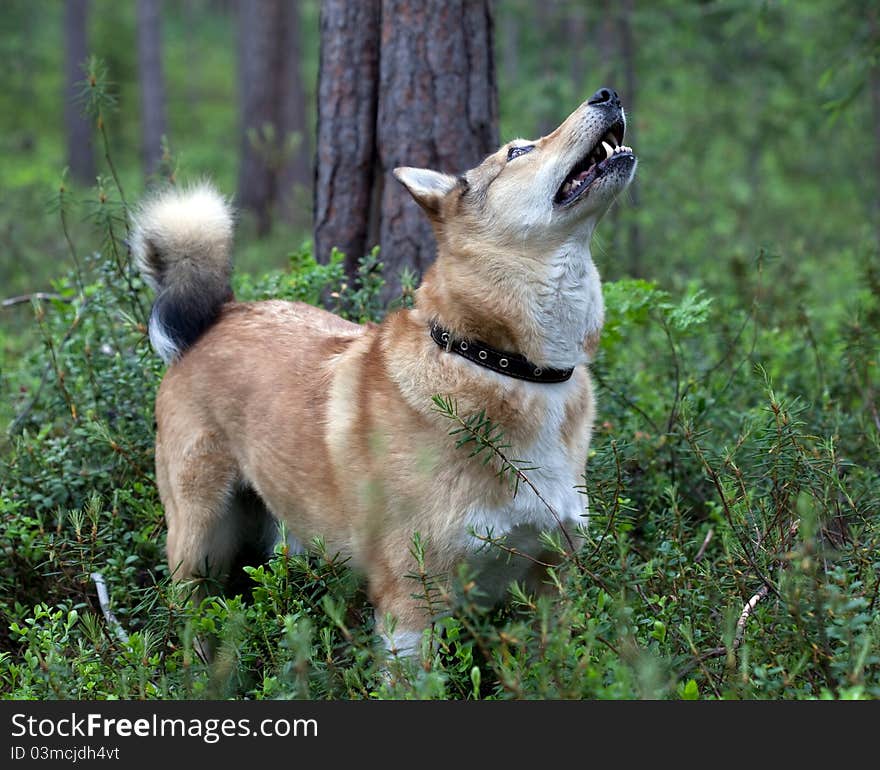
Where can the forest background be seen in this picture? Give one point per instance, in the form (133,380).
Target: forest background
(734,481)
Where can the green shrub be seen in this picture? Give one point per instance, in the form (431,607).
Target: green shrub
(730,459)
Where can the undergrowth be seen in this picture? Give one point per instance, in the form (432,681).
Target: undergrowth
(732,551)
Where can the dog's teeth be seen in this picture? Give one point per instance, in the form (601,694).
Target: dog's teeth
(608,150)
(611,139)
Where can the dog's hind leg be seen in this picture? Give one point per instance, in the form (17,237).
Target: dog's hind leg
(197,484)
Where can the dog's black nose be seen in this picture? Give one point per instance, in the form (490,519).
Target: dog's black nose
(605,96)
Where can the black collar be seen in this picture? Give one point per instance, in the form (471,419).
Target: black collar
(511,364)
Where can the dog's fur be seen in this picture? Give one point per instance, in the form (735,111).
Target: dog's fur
(276,410)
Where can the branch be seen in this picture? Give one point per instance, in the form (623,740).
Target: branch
(22,416)
(104,601)
(498,542)
(725,505)
(705,544)
(618,491)
(626,401)
(448,408)
(42,296)
(746,612)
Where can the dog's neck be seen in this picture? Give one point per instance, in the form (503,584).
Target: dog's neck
(569,307)
(551,313)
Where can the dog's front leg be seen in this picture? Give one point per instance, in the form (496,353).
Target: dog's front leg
(405,604)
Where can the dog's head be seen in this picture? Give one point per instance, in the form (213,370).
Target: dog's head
(532,194)
(513,261)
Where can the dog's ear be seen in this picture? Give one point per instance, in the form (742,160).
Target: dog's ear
(426,186)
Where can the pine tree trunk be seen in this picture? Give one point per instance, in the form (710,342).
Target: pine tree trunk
(296,174)
(437,109)
(78,128)
(348,79)
(149,42)
(260,65)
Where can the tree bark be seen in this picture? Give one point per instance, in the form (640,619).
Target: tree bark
(78,128)
(259,74)
(296,174)
(348,80)
(149,42)
(437,109)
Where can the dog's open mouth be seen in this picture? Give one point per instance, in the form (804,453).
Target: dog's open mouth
(593,165)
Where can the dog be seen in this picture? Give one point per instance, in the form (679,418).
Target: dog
(275,411)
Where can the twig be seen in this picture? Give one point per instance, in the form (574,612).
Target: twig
(104,601)
(749,608)
(626,401)
(676,399)
(874,597)
(62,213)
(705,544)
(746,612)
(498,542)
(43,296)
(23,415)
(618,491)
(725,505)
(111,164)
(450,411)
(869,398)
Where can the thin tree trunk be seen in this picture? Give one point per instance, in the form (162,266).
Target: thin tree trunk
(874,88)
(628,55)
(191,57)
(509,19)
(296,174)
(437,109)
(606,42)
(78,129)
(576,33)
(149,42)
(348,79)
(546,17)
(259,75)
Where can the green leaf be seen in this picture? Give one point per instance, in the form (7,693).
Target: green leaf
(689,691)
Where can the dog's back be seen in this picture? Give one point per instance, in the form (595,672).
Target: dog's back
(232,364)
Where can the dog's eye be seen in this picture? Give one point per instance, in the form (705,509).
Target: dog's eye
(515,152)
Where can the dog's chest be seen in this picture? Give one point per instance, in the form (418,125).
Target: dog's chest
(495,536)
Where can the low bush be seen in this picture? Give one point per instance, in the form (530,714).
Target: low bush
(732,550)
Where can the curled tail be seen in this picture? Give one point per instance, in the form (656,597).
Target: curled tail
(181,241)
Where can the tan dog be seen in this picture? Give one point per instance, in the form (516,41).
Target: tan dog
(282,411)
